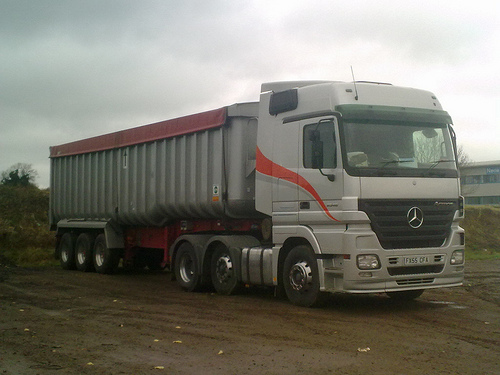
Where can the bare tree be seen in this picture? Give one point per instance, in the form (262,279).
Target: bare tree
(465,161)
(20,174)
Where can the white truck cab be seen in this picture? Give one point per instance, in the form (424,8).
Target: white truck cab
(364,181)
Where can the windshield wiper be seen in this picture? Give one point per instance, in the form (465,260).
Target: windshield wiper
(396,162)
(435,163)
(381,171)
(429,172)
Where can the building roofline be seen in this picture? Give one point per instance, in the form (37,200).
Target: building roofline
(482,164)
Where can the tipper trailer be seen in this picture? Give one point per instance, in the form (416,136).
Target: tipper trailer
(319,187)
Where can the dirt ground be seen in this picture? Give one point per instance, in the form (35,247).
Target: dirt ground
(68,322)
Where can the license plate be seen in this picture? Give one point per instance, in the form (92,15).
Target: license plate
(416,260)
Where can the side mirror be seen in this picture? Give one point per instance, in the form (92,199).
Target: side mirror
(317,148)
(317,151)
(317,157)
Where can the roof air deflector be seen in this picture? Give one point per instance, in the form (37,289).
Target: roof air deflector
(283,101)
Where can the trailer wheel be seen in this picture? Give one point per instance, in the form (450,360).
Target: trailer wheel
(405,296)
(67,251)
(105,260)
(301,277)
(223,273)
(186,268)
(83,252)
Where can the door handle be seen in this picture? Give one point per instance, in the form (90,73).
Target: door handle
(305,205)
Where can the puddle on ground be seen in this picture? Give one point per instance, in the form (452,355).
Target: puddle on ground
(452,305)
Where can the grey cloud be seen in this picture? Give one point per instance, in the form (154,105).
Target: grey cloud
(73,69)
(422,31)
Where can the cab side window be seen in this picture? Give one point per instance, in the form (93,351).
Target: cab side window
(319,145)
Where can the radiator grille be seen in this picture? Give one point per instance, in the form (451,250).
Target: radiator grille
(415,270)
(389,220)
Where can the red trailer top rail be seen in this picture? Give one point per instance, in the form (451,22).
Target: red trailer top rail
(147,133)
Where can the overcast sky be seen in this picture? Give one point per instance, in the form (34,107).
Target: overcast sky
(75,69)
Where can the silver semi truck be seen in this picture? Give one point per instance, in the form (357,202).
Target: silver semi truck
(318,187)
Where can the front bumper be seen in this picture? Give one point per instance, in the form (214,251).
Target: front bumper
(341,273)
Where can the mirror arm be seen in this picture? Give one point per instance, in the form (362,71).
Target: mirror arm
(331,177)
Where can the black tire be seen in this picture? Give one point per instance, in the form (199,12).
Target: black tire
(186,268)
(67,251)
(83,252)
(223,272)
(301,277)
(105,260)
(405,296)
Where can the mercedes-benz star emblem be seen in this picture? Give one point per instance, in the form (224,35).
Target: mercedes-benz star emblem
(415,217)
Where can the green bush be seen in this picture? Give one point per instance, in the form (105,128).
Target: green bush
(25,238)
(482,232)
(24,226)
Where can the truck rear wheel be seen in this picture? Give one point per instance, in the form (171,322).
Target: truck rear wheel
(301,277)
(83,252)
(224,278)
(67,251)
(105,260)
(186,268)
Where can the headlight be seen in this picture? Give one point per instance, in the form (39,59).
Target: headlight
(457,257)
(368,262)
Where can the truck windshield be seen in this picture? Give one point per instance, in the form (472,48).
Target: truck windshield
(398,149)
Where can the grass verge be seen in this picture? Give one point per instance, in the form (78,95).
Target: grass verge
(482,232)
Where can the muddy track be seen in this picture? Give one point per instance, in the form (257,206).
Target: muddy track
(68,322)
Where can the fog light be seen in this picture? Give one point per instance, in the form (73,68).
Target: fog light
(368,262)
(457,257)
(365,274)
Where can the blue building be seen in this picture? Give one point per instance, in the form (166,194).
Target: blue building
(481,183)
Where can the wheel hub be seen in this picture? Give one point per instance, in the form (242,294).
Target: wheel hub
(186,269)
(301,276)
(82,257)
(224,268)
(99,256)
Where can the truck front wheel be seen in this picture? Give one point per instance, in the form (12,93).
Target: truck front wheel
(301,277)
(186,268)
(105,260)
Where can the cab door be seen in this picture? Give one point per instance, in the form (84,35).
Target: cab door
(285,172)
(321,178)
